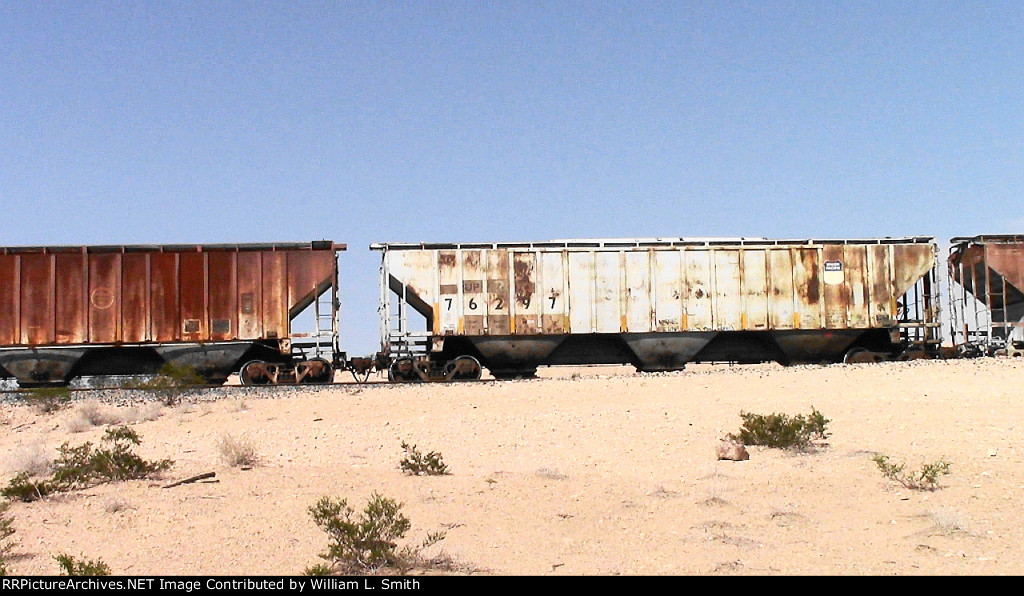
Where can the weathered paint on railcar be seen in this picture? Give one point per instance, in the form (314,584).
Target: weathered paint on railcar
(640,292)
(653,289)
(58,303)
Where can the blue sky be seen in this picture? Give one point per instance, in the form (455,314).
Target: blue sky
(362,122)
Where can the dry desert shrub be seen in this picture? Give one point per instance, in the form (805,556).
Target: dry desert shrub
(717,487)
(237,451)
(727,567)
(117,505)
(784,515)
(145,413)
(237,405)
(716,493)
(949,521)
(184,408)
(660,492)
(30,459)
(550,474)
(90,414)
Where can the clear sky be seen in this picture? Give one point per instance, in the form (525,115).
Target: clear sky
(360,122)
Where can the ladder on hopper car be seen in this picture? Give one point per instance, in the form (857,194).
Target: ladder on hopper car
(918,317)
(400,341)
(317,352)
(325,326)
(400,344)
(320,356)
(397,339)
(407,354)
(322,342)
(982,326)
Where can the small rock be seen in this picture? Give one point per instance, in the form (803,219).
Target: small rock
(731,450)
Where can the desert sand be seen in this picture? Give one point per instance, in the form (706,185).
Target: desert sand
(589,471)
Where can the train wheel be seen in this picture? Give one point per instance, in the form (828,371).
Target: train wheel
(315,370)
(401,370)
(463,368)
(855,355)
(862,355)
(258,372)
(913,353)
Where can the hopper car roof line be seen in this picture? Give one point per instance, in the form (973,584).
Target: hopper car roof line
(646,242)
(127,248)
(988,238)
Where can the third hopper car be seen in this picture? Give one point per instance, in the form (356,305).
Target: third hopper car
(450,310)
(988,305)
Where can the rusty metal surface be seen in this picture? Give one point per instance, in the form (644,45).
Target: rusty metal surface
(61,296)
(650,287)
(990,268)
(1004,257)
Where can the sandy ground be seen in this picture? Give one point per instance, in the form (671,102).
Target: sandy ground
(592,471)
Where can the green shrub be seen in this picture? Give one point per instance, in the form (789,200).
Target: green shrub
(81,466)
(84,465)
(171,382)
(6,531)
(781,430)
(926,478)
(317,570)
(48,399)
(24,488)
(72,566)
(417,464)
(366,542)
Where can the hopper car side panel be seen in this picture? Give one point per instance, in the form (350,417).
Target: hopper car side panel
(661,304)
